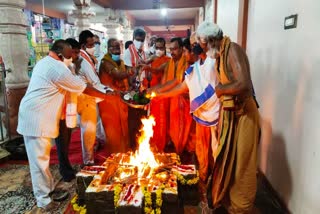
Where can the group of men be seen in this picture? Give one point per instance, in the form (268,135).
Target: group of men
(204,104)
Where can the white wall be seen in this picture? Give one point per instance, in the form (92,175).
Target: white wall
(209,10)
(285,67)
(227,17)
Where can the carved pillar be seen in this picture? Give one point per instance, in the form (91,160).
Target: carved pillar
(82,15)
(113,23)
(127,34)
(112,30)
(15,52)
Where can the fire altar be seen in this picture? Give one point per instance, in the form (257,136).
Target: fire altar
(140,182)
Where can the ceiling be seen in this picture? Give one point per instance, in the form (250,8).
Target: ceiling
(149,4)
(63,6)
(147,13)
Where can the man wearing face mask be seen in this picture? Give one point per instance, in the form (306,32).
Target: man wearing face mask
(180,120)
(200,81)
(187,51)
(158,107)
(234,173)
(134,56)
(63,140)
(114,113)
(39,115)
(87,107)
(97,44)
(152,49)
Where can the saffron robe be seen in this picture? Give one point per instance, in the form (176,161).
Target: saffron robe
(113,112)
(180,120)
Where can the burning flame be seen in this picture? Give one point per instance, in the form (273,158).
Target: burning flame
(153,95)
(143,158)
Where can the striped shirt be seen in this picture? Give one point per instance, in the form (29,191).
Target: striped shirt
(41,107)
(89,75)
(204,103)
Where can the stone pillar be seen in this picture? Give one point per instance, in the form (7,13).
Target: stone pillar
(113,23)
(112,30)
(15,52)
(127,34)
(82,15)
(126,30)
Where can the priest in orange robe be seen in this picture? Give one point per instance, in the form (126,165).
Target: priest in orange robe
(180,120)
(158,107)
(113,112)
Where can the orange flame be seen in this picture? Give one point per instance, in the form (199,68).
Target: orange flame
(143,158)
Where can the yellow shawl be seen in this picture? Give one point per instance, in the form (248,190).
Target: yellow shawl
(173,72)
(106,79)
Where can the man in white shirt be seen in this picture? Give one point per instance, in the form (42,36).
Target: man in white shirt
(134,56)
(87,105)
(151,47)
(40,112)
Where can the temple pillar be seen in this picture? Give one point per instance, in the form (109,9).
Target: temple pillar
(113,30)
(127,34)
(82,15)
(15,52)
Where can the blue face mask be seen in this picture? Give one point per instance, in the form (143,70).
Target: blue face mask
(115,57)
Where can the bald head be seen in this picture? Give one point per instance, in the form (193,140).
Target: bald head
(62,48)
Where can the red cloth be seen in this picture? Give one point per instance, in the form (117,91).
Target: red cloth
(75,152)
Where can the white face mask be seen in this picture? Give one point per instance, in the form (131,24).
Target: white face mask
(90,50)
(67,62)
(138,44)
(159,53)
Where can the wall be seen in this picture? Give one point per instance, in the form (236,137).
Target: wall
(227,17)
(199,17)
(285,67)
(209,10)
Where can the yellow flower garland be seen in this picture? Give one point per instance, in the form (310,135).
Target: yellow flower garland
(159,199)
(116,197)
(76,207)
(147,201)
(184,181)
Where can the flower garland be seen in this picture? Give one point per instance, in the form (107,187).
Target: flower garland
(159,199)
(117,190)
(76,207)
(184,181)
(147,201)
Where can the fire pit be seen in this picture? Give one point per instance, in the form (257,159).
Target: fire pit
(139,182)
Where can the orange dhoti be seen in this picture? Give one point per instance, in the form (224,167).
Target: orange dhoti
(179,117)
(113,112)
(180,122)
(114,116)
(159,109)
